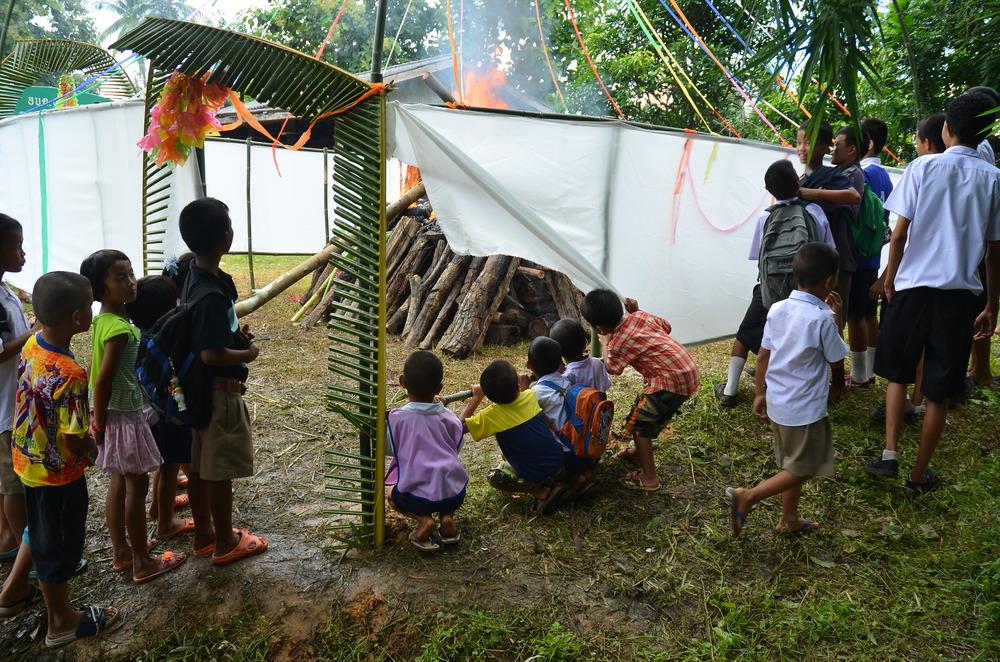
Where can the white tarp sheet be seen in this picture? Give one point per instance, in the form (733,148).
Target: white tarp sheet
(661,216)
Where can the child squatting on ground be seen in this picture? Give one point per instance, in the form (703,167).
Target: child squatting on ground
(426,439)
(801,339)
(52,446)
(580,368)
(126,448)
(643,341)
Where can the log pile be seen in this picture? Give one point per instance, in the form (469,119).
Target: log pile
(436,299)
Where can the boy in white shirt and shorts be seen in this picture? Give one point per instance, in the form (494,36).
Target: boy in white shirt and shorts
(801,339)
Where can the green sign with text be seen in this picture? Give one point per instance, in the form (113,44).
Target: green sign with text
(36,95)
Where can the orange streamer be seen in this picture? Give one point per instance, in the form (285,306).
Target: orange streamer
(791,95)
(545,52)
(590,61)
(243,114)
(454,55)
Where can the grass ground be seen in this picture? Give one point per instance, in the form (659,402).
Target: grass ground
(623,577)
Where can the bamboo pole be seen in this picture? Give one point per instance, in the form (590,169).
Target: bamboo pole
(326,194)
(253,282)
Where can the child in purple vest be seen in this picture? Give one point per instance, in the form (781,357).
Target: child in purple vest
(426,438)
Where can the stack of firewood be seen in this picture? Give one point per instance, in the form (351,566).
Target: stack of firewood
(456,303)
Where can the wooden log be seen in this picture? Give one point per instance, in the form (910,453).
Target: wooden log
(477,309)
(397,287)
(400,241)
(512,312)
(319,279)
(439,290)
(395,324)
(537,327)
(565,295)
(442,257)
(403,203)
(445,318)
(413,309)
(322,309)
(502,334)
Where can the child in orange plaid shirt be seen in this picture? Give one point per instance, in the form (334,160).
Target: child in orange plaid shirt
(641,340)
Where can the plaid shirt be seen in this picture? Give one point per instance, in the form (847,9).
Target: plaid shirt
(643,341)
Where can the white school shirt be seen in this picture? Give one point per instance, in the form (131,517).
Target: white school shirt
(986,153)
(814,210)
(953,203)
(8,369)
(552,402)
(870,161)
(803,340)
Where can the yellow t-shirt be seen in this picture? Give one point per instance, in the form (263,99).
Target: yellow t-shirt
(497,418)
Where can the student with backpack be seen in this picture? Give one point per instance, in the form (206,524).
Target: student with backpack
(780,231)
(581,369)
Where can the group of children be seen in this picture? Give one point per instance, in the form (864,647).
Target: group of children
(58,420)
(939,293)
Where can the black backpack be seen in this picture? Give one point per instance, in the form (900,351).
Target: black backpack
(171,376)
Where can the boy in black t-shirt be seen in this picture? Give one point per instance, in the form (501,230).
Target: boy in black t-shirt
(221,447)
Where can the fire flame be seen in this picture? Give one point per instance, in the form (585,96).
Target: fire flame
(482,88)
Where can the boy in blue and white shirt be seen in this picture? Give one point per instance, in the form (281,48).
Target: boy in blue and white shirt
(801,341)
(949,208)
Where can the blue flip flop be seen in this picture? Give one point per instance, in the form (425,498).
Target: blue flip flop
(80,568)
(94,622)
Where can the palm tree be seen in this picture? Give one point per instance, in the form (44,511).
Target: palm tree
(131,12)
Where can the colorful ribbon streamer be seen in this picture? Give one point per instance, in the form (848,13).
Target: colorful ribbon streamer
(43,193)
(590,60)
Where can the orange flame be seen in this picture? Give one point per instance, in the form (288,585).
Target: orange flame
(412,178)
(482,88)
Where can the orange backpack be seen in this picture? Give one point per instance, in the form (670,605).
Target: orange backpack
(588,419)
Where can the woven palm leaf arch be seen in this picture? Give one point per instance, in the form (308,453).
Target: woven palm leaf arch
(32,59)
(307,88)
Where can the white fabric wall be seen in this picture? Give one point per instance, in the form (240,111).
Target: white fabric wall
(94,181)
(542,189)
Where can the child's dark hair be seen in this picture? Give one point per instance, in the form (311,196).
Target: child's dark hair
(95,267)
(602,308)
(929,128)
(851,138)
(545,355)
(878,133)
(572,338)
(204,224)
(967,119)
(155,297)
(815,262)
(177,269)
(423,373)
(499,382)
(824,135)
(988,91)
(58,294)
(8,226)
(781,180)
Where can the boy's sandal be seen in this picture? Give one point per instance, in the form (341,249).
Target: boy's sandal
(181,501)
(450,540)
(248,545)
(541,506)
(168,561)
(428,545)
(81,567)
(624,456)
(739,519)
(10,554)
(805,526)
(633,481)
(22,604)
(186,527)
(207,550)
(96,620)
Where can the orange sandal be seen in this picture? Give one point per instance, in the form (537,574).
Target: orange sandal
(181,501)
(150,546)
(248,545)
(186,527)
(169,561)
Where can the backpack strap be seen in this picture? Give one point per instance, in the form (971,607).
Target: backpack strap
(563,392)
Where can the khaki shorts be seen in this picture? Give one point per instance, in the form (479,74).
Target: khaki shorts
(805,450)
(223,450)
(10,484)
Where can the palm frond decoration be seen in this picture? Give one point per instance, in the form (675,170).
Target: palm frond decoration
(32,59)
(307,88)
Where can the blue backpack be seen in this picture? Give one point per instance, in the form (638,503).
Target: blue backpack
(589,414)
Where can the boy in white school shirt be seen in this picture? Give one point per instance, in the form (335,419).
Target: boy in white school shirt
(801,339)
(949,208)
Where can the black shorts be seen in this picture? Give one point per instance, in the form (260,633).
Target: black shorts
(173,442)
(751,330)
(860,303)
(57,527)
(408,504)
(937,324)
(845,283)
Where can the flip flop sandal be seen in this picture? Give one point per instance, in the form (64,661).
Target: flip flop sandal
(249,545)
(95,621)
(453,540)
(10,554)
(739,520)
(182,482)
(186,527)
(541,506)
(170,561)
(633,482)
(209,549)
(181,501)
(423,545)
(81,567)
(807,526)
(22,604)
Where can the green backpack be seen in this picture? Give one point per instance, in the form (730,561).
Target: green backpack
(869,229)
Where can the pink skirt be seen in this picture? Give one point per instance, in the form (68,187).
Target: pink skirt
(129,447)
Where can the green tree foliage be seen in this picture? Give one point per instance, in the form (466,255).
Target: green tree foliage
(47,19)
(131,12)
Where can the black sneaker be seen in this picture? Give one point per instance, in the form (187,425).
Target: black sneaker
(883,468)
(503,481)
(910,414)
(727,401)
(928,484)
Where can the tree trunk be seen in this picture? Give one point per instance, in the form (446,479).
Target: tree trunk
(477,309)
(565,295)
(397,287)
(440,288)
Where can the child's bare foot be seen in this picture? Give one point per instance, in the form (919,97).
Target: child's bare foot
(449,532)
(151,567)
(628,454)
(740,509)
(425,527)
(121,558)
(795,526)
